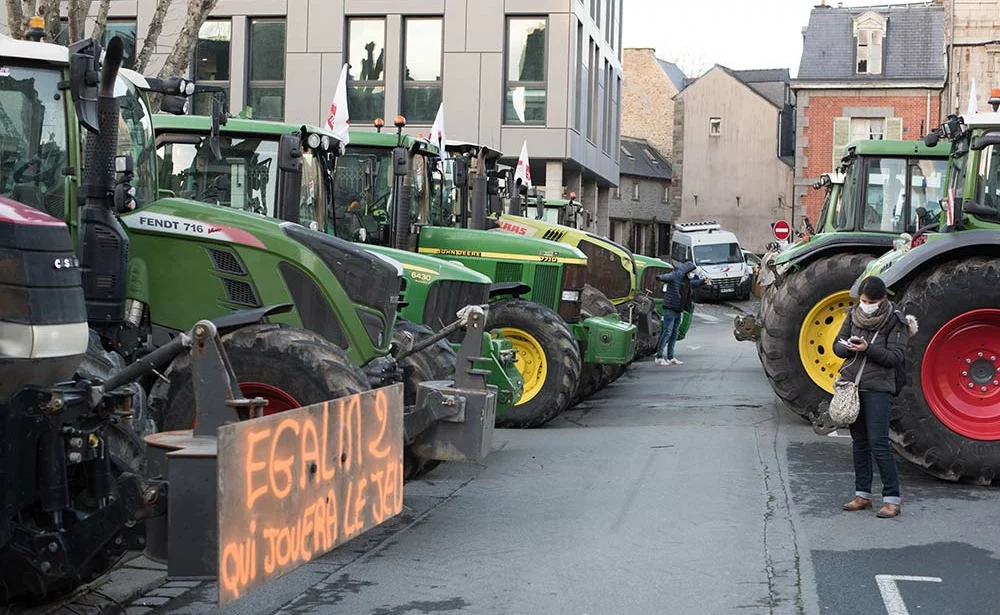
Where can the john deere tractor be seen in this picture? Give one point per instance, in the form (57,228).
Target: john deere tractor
(246,177)
(947,274)
(884,188)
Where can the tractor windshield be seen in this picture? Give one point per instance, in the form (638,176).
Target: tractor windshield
(902,193)
(33,147)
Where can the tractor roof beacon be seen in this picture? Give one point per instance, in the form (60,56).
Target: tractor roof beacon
(946,276)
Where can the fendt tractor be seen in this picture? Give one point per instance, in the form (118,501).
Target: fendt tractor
(285,294)
(246,177)
(884,188)
(946,419)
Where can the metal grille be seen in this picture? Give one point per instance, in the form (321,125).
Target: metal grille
(724,283)
(227,261)
(508,272)
(240,292)
(606,271)
(554,235)
(446,297)
(649,282)
(545,285)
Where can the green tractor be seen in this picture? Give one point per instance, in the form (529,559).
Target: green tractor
(245,177)
(946,419)
(885,188)
(308,317)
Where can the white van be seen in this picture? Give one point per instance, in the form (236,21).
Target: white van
(717,256)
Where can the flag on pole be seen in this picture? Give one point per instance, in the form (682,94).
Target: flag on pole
(972,99)
(523,171)
(437,136)
(338,121)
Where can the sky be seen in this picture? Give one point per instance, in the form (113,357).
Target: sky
(739,34)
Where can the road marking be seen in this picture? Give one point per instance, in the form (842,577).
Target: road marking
(706,317)
(836,434)
(693,347)
(890,591)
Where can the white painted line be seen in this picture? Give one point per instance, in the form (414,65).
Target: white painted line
(890,592)
(706,317)
(693,347)
(836,434)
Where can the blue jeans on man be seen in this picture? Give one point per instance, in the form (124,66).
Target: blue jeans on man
(668,335)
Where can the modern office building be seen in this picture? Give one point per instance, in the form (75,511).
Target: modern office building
(548,72)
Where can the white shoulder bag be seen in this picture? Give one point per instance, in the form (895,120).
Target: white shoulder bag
(846,403)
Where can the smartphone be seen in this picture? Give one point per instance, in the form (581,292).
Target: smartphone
(855,339)
(843,342)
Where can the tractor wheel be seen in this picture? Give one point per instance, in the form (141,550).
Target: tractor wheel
(645,344)
(548,359)
(436,362)
(287,366)
(799,326)
(947,418)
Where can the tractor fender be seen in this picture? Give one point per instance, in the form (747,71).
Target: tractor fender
(835,242)
(963,243)
(242,318)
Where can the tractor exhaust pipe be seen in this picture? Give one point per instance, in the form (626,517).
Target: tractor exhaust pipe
(103,242)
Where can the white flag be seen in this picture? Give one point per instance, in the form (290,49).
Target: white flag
(437,134)
(972,99)
(523,171)
(338,121)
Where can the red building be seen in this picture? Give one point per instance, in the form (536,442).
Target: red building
(865,73)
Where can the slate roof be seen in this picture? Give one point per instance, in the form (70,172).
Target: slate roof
(644,161)
(914,46)
(674,73)
(768,82)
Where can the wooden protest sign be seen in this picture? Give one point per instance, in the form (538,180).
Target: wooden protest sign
(294,485)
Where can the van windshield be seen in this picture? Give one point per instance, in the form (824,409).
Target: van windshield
(718,254)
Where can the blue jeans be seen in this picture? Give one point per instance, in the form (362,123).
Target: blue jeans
(668,335)
(870,433)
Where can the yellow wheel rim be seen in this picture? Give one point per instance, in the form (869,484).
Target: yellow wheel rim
(818,335)
(531,362)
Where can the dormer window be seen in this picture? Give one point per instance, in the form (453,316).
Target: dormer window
(869,30)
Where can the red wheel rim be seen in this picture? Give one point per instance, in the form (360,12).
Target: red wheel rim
(960,374)
(277,399)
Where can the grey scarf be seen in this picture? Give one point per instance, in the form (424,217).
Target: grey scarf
(875,321)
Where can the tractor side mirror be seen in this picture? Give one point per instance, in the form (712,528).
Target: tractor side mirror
(400,161)
(461,173)
(84,79)
(174,105)
(289,188)
(218,118)
(932,138)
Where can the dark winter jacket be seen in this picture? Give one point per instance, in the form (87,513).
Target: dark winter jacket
(677,292)
(884,355)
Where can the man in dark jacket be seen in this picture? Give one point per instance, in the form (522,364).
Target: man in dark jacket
(676,300)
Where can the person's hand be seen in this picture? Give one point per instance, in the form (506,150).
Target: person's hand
(860,346)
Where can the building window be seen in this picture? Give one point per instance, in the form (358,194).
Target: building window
(715,126)
(125,30)
(666,193)
(422,69)
(869,30)
(366,71)
(635,191)
(211,61)
(581,78)
(867,128)
(618,192)
(525,90)
(266,86)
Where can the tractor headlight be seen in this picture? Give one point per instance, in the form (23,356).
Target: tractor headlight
(326,143)
(313,141)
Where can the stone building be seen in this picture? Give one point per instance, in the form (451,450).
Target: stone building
(642,209)
(865,73)
(972,29)
(545,71)
(737,142)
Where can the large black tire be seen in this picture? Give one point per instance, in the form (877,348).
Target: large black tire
(918,434)
(645,343)
(302,364)
(783,318)
(561,354)
(436,362)
(594,377)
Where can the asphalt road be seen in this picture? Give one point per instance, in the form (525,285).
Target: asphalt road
(677,490)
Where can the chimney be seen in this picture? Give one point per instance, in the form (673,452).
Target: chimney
(821,5)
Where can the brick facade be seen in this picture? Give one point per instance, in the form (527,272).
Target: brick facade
(647,110)
(817,109)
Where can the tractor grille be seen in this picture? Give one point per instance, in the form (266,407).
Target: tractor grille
(227,262)
(649,282)
(238,291)
(606,271)
(546,285)
(509,272)
(446,297)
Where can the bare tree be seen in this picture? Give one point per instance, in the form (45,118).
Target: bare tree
(78,11)
(49,9)
(152,35)
(16,22)
(180,56)
(102,19)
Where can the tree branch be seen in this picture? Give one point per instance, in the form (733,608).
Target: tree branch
(152,35)
(49,9)
(179,59)
(102,20)
(15,19)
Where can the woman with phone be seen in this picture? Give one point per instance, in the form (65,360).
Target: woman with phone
(873,341)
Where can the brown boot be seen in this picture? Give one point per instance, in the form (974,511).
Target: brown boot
(888,511)
(858,503)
